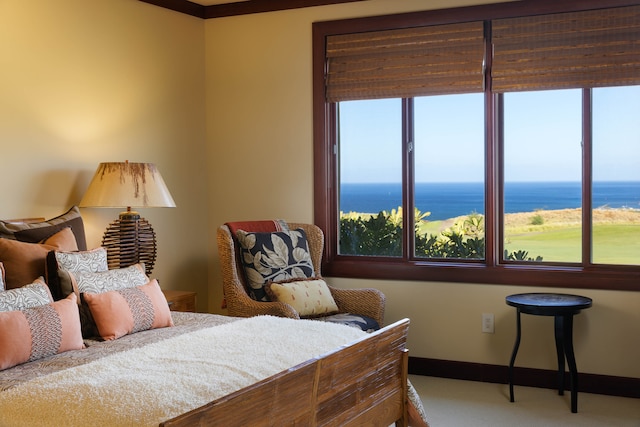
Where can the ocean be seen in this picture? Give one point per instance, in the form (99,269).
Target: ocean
(449,200)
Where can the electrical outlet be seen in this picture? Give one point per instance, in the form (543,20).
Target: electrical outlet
(487,323)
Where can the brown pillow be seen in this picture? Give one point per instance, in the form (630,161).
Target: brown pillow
(36,232)
(25,262)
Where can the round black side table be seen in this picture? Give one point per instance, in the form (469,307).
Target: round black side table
(563,307)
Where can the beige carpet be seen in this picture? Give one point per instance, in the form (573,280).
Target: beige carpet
(455,403)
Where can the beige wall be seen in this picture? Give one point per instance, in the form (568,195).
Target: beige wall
(87,81)
(259,131)
(223,107)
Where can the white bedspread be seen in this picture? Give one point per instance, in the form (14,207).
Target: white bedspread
(145,386)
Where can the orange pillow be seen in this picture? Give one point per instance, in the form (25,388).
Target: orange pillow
(25,262)
(126,311)
(39,332)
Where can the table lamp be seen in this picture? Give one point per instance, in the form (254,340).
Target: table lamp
(130,239)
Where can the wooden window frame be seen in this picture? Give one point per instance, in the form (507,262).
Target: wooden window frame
(492,270)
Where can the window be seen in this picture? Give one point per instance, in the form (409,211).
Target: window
(449,175)
(616,176)
(370,160)
(490,151)
(542,176)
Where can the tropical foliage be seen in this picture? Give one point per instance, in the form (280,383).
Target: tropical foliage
(381,235)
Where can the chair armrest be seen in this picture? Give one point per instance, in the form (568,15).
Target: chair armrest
(368,301)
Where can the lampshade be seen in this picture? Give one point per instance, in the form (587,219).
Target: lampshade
(127,185)
(130,239)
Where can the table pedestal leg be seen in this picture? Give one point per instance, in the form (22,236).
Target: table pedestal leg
(571,360)
(513,355)
(564,347)
(559,334)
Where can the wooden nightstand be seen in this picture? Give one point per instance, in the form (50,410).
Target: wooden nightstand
(181,300)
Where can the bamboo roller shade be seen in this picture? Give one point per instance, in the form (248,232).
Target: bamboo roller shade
(557,51)
(567,50)
(441,59)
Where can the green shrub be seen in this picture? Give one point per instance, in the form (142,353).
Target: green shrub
(520,256)
(381,235)
(537,219)
(372,235)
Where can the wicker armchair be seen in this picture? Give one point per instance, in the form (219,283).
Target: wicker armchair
(367,302)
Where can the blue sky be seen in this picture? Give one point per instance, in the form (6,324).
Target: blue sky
(449,137)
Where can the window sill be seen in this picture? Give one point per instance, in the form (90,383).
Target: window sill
(593,277)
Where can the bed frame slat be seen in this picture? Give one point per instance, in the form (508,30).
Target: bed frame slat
(363,383)
(282,399)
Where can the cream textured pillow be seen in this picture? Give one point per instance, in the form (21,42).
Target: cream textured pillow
(131,310)
(110,280)
(39,332)
(28,296)
(310,298)
(91,261)
(1,277)
(61,263)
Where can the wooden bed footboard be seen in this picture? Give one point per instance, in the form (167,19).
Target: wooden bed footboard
(363,383)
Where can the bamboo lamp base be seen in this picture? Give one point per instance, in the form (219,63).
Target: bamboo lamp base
(129,240)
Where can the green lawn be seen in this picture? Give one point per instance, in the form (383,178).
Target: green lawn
(612,244)
(616,244)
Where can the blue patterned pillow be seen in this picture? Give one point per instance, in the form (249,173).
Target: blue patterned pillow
(273,257)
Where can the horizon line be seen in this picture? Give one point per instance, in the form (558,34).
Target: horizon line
(482,182)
